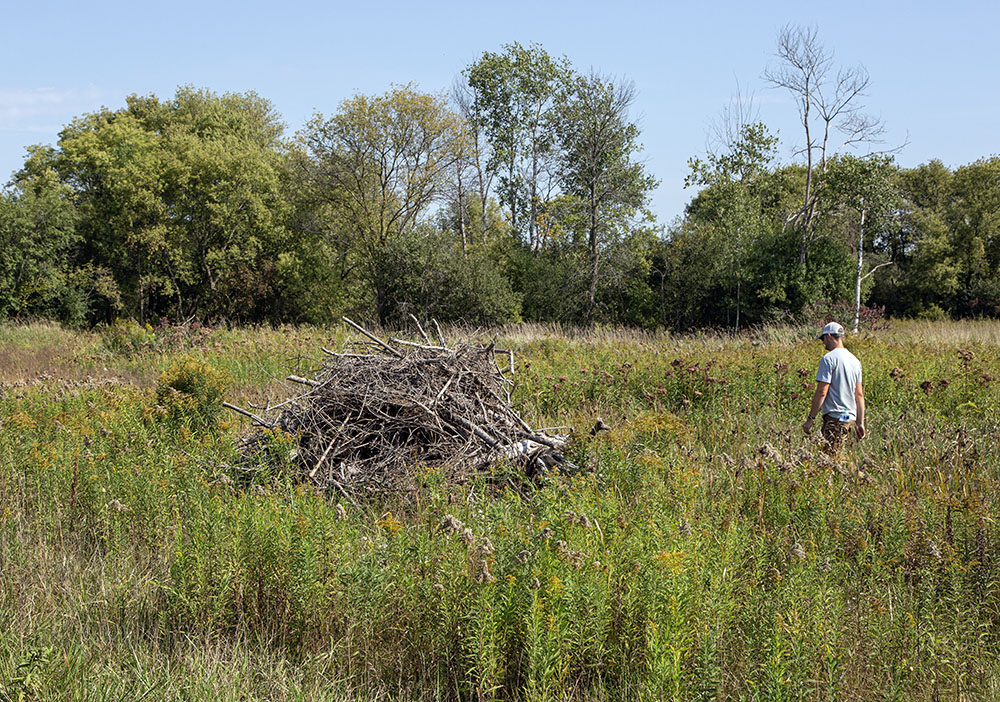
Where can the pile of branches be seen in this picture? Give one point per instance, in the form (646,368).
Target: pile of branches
(377,410)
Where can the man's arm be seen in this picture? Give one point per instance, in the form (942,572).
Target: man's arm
(859,398)
(818,396)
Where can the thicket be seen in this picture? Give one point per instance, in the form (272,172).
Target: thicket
(505,202)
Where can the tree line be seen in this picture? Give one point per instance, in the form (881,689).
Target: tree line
(520,195)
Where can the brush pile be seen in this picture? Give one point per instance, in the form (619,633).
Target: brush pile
(376,411)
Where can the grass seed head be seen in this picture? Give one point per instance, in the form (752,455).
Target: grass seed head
(484,575)
(117,506)
(797,552)
(684,528)
(450,525)
(545,534)
(933,551)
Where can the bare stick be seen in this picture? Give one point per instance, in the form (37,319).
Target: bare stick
(475,430)
(303,381)
(289,401)
(443,390)
(440,335)
(328,352)
(419,346)
(420,329)
(340,488)
(374,338)
(881,265)
(544,440)
(322,458)
(254,417)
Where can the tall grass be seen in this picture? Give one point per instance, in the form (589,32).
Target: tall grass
(707,550)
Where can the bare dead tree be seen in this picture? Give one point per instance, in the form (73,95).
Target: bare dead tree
(827,103)
(730,126)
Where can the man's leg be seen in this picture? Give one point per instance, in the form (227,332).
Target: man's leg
(835,432)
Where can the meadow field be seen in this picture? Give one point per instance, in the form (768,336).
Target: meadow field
(705,550)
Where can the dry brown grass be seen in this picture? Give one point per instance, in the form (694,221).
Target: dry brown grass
(45,354)
(944,332)
(947,332)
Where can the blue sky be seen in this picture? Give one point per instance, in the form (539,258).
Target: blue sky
(933,64)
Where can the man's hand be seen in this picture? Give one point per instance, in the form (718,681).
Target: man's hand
(819,395)
(859,431)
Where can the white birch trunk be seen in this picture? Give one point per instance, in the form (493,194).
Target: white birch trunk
(857,282)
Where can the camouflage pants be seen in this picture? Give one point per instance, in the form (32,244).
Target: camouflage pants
(835,432)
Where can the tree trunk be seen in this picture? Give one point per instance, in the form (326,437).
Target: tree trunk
(533,194)
(461,211)
(738,306)
(857,282)
(512,194)
(592,286)
(806,204)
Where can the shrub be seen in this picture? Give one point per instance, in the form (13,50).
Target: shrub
(426,275)
(823,311)
(192,390)
(127,337)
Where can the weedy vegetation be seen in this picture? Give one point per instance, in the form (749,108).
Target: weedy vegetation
(706,550)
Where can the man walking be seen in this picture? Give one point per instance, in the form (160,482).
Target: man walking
(839,395)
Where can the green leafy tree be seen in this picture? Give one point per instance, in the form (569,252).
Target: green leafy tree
(379,164)
(38,239)
(736,180)
(182,201)
(427,274)
(925,279)
(625,293)
(975,222)
(472,204)
(946,244)
(599,167)
(866,191)
(551,281)
(515,94)
(688,278)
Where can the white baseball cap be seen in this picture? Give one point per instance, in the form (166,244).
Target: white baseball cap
(831,328)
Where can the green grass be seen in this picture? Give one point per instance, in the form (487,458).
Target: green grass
(709,551)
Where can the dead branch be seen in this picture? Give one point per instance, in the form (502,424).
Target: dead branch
(374,338)
(251,415)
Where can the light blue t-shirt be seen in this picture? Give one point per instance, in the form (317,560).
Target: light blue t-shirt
(842,370)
